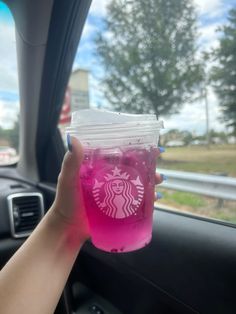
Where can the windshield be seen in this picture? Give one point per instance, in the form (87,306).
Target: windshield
(9,96)
(175,59)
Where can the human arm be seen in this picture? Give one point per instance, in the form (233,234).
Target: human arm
(33,280)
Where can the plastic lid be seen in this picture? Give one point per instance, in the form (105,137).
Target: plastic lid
(101,125)
(97,117)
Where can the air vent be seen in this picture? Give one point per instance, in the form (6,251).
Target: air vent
(26,210)
(17,186)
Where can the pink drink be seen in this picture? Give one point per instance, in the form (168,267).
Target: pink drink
(118,191)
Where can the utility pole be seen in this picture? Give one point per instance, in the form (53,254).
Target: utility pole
(207,115)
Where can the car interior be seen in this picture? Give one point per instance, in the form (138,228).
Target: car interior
(189,267)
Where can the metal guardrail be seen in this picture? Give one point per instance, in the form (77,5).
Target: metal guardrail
(204,184)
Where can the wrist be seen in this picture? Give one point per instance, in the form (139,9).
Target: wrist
(70,231)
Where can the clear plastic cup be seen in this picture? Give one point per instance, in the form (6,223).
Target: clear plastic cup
(118,176)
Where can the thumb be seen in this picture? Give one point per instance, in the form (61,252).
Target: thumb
(68,181)
(72,161)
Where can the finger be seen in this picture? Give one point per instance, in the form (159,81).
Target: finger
(71,162)
(159,178)
(158,196)
(68,180)
(161,150)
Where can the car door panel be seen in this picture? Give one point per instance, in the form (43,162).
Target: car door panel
(187,268)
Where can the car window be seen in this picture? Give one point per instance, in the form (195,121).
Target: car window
(175,59)
(9,96)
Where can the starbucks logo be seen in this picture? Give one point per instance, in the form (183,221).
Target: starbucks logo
(118,194)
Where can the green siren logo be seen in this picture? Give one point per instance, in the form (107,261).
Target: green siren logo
(118,195)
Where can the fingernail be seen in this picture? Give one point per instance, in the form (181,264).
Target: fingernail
(69,145)
(161,149)
(159,195)
(164,177)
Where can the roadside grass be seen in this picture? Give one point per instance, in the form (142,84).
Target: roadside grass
(199,205)
(183,198)
(219,159)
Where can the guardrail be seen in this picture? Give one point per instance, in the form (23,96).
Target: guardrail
(209,185)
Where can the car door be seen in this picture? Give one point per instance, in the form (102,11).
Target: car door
(189,267)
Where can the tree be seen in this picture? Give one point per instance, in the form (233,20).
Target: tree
(11,136)
(14,135)
(224,73)
(218,137)
(148,53)
(175,134)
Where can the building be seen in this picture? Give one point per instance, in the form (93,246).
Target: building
(79,89)
(76,97)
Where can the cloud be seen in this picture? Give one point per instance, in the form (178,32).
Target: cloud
(9,104)
(208,37)
(89,29)
(98,7)
(210,7)
(8,66)
(193,116)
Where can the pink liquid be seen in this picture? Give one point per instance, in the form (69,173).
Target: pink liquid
(118,191)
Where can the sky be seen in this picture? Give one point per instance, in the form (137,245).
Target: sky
(211,14)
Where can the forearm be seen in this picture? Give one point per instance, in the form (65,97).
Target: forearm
(32,281)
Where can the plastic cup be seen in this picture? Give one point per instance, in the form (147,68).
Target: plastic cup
(118,176)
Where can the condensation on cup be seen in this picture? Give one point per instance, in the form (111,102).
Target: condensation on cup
(117,176)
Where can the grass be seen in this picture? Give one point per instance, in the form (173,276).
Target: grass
(217,159)
(183,198)
(199,205)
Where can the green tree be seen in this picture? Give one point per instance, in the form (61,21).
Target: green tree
(14,135)
(11,135)
(148,51)
(178,135)
(216,136)
(224,73)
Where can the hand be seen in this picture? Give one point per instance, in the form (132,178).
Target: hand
(159,177)
(68,204)
(158,180)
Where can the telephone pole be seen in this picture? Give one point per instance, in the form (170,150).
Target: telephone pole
(207,115)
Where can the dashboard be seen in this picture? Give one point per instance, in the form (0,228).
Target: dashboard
(21,209)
